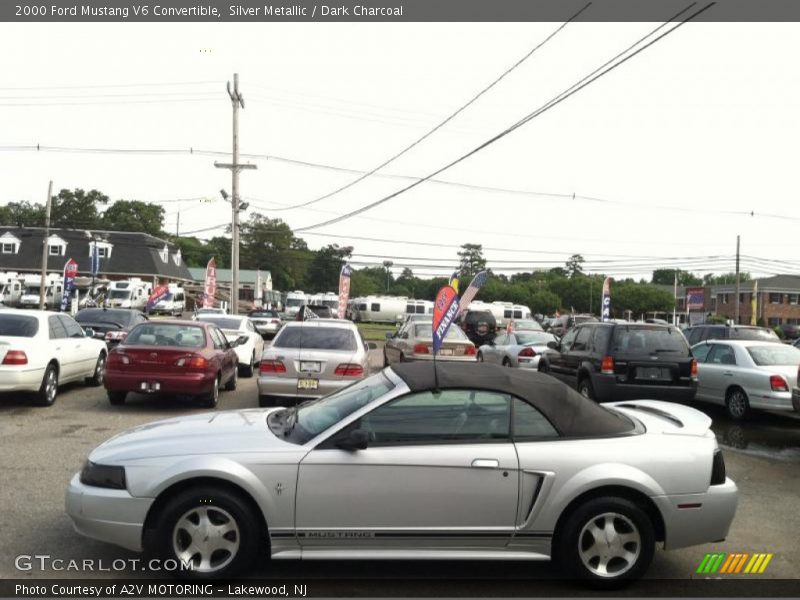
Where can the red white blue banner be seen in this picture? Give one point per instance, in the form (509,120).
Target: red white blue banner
(605,306)
(445,309)
(344,289)
(70,272)
(157,296)
(210,289)
(472,291)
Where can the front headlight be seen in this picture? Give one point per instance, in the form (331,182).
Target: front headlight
(103,476)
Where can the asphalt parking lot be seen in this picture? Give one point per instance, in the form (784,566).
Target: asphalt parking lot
(43,447)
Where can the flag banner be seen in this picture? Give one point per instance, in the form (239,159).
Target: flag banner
(210,289)
(95,263)
(344,290)
(306,314)
(445,310)
(695,298)
(472,290)
(157,296)
(453,283)
(70,272)
(259,294)
(605,309)
(754,304)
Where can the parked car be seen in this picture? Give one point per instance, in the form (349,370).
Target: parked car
(110,324)
(796,343)
(208,311)
(267,321)
(564,323)
(699,333)
(519,349)
(41,350)
(611,361)
(251,344)
(414,341)
(790,331)
(479,325)
(310,359)
(526,325)
(314,311)
(453,465)
(172,357)
(742,375)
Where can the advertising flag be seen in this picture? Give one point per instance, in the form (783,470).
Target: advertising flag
(453,283)
(472,291)
(605,313)
(70,272)
(344,289)
(754,304)
(210,289)
(95,266)
(157,296)
(445,310)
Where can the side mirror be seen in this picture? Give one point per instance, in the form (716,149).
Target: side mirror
(357,440)
(241,340)
(88,332)
(552,345)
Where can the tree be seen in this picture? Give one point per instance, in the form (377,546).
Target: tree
(725,278)
(134,215)
(269,244)
(22,214)
(471,262)
(77,209)
(574,265)
(667,277)
(324,269)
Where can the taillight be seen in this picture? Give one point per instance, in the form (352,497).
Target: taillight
(271,366)
(607,365)
(470,351)
(192,362)
(15,357)
(718,469)
(276,322)
(349,370)
(527,352)
(778,383)
(116,358)
(694,369)
(116,336)
(421,349)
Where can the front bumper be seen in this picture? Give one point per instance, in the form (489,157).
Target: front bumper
(112,516)
(607,388)
(703,524)
(286,387)
(169,383)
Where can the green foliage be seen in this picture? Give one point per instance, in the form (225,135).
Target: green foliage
(325,267)
(779,332)
(574,265)
(269,244)
(471,262)
(725,278)
(134,215)
(667,277)
(22,214)
(77,209)
(716,319)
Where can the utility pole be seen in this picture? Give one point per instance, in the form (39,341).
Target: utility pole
(237,101)
(736,317)
(45,248)
(178,226)
(387,264)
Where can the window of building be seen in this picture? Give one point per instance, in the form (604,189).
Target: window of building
(164,254)
(723,298)
(775,298)
(792,321)
(9,243)
(176,258)
(773,321)
(56,250)
(9,248)
(794,298)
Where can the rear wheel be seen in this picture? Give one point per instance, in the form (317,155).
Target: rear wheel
(211,400)
(737,404)
(117,398)
(606,541)
(49,389)
(99,371)
(479,358)
(249,369)
(544,367)
(506,362)
(585,388)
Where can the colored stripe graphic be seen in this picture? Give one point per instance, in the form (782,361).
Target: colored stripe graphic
(728,562)
(734,563)
(739,565)
(765,563)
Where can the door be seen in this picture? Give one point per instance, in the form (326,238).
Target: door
(223,353)
(62,348)
(577,354)
(439,471)
(719,371)
(557,360)
(493,352)
(84,350)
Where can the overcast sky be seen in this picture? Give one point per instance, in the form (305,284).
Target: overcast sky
(699,126)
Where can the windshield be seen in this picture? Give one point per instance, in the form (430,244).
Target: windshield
(33,289)
(534,337)
(94,315)
(223,322)
(264,314)
(424,331)
(163,334)
(18,326)
(119,294)
(331,303)
(316,338)
(756,334)
(649,340)
(295,301)
(774,355)
(316,416)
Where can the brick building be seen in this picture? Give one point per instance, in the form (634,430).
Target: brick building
(777,300)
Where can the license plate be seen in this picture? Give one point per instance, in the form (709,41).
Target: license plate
(310,367)
(307,384)
(446,352)
(149,387)
(653,373)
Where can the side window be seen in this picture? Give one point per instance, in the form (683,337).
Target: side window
(72,329)
(57,330)
(501,340)
(464,416)
(507,313)
(529,423)
(701,352)
(706,333)
(600,339)
(722,354)
(582,339)
(568,340)
(375,307)
(691,335)
(217,338)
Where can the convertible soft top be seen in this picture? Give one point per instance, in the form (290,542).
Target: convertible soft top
(570,413)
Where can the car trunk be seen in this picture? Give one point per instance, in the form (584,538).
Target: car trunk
(153,359)
(653,369)
(446,349)
(312,363)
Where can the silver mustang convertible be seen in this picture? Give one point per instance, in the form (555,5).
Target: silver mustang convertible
(471,462)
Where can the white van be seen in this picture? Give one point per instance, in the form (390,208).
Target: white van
(10,289)
(174,303)
(294,300)
(129,293)
(510,311)
(53,289)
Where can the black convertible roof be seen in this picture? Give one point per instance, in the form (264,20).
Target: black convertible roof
(570,413)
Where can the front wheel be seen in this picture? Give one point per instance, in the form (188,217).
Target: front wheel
(212,529)
(249,369)
(737,404)
(607,542)
(117,398)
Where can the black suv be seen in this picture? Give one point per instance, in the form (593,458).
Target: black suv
(700,333)
(624,361)
(480,326)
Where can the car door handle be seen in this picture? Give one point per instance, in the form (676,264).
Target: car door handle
(728,373)
(486,463)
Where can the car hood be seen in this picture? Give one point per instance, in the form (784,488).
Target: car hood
(220,432)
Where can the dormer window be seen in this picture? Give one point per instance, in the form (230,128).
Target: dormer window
(56,246)
(9,244)
(103,249)
(164,254)
(55,250)
(9,248)
(176,258)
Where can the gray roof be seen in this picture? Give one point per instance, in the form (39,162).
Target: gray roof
(777,283)
(132,254)
(246,276)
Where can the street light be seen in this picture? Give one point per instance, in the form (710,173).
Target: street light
(387,264)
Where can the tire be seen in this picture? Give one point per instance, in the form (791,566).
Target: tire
(266,401)
(543,367)
(218,526)
(479,358)
(211,400)
(96,379)
(117,398)
(402,357)
(598,561)
(506,363)
(737,405)
(585,388)
(385,359)
(231,384)
(248,370)
(48,391)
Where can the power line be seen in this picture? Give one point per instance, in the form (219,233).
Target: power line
(547,106)
(109,85)
(451,116)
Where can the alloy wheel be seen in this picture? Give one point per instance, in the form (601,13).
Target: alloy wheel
(609,545)
(207,537)
(737,404)
(51,386)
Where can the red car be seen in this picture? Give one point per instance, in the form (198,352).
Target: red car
(172,357)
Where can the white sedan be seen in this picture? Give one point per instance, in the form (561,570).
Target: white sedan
(41,350)
(234,327)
